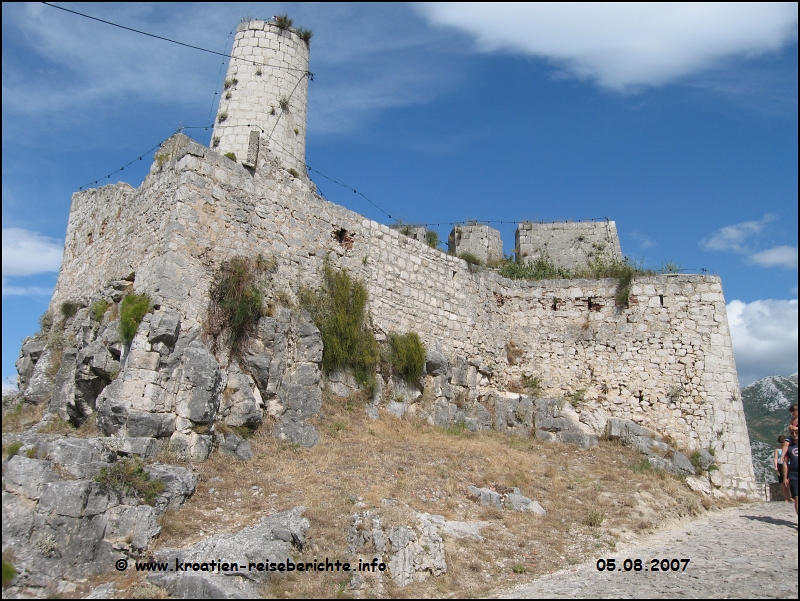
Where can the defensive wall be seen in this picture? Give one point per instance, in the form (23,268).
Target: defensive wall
(568,244)
(664,361)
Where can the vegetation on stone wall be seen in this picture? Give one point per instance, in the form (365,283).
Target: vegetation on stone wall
(69,309)
(133,308)
(432,238)
(99,309)
(236,302)
(407,356)
(470,258)
(624,271)
(128,476)
(338,309)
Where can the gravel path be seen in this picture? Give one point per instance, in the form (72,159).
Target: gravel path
(741,552)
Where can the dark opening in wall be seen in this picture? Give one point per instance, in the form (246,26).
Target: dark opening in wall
(344,238)
(593,306)
(661,298)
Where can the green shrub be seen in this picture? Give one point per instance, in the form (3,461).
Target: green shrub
(407,356)
(236,303)
(283,21)
(222,116)
(432,238)
(128,476)
(305,35)
(13,448)
(339,311)
(9,573)
(642,466)
(99,309)
(470,258)
(133,308)
(293,172)
(593,519)
(230,155)
(695,459)
(69,309)
(540,269)
(283,102)
(518,568)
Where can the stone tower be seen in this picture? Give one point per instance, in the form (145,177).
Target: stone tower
(265,95)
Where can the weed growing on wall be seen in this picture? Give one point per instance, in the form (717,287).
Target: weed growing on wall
(283,21)
(407,356)
(470,258)
(339,311)
(128,476)
(69,309)
(432,238)
(133,308)
(305,35)
(236,303)
(99,309)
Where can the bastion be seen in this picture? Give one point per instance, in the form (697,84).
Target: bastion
(662,361)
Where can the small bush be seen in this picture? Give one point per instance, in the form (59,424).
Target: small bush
(533,385)
(45,322)
(407,356)
(31,453)
(293,172)
(593,519)
(222,116)
(230,82)
(69,309)
(236,302)
(283,102)
(13,448)
(518,568)
(432,238)
(283,22)
(134,307)
(305,35)
(9,573)
(540,269)
(230,155)
(128,476)
(339,311)
(670,266)
(642,466)
(578,396)
(99,309)
(470,258)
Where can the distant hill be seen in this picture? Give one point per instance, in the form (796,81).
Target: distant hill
(766,403)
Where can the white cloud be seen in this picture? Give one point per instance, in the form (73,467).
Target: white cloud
(778,256)
(645,241)
(764,336)
(623,46)
(735,237)
(29,253)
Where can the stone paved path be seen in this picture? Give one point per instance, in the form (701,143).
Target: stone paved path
(741,552)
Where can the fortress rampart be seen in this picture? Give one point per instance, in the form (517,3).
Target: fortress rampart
(664,362)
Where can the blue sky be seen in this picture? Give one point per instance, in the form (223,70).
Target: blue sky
(677,121)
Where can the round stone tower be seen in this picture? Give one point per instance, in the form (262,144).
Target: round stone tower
(265,96)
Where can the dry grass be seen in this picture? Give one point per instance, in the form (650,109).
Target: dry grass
(393,467)
(23,416)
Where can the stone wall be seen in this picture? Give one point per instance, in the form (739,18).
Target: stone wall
(568,244)
(479,240)
(664,362)
(265,90)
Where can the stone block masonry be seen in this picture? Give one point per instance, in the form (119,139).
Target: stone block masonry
(265,90)
(568,244)
(479,240)
(664,362)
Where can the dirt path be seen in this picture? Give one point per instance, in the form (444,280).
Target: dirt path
(741,552)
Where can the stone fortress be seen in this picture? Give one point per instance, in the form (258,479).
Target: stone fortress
(657,372)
